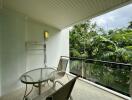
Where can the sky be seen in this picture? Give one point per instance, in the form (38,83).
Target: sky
(115,19)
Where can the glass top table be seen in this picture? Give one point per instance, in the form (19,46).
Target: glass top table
(37,76)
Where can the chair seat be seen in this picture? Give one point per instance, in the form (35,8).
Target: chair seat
(58,74)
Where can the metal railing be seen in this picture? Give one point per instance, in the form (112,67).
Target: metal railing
(113,75)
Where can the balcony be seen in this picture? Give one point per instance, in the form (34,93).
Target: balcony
(21,26)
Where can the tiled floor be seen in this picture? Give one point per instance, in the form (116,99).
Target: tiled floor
(81,91)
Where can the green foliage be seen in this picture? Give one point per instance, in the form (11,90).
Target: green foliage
(130,25)
(88,40)
(79,38)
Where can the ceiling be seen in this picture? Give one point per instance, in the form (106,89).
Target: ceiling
(63,13)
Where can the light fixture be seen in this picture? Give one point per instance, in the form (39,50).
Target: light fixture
(46,35)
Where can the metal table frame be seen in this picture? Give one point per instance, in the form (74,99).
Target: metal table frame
(37,84)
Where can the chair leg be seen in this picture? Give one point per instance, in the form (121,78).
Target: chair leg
(48,83)
(53,82)
(25,97)
(59,83)
(67,77)
(71,98)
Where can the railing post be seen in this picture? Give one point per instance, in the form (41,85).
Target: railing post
(82,64)
(130,87)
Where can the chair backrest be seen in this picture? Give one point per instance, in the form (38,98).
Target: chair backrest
(62,64)
(64,92)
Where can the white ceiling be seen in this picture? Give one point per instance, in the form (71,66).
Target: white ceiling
(63,13)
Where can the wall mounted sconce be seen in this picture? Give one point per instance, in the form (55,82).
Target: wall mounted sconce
(46,35)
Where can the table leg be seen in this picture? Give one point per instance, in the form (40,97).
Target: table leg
(39,86)
(25,97)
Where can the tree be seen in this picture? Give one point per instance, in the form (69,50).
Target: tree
(130,25)
(80,36)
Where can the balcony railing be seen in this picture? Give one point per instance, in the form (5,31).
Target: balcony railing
(115,76)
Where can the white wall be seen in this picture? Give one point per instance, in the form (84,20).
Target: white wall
(13,50)
(18,29)
(57,45)
(35,34)
(65,44)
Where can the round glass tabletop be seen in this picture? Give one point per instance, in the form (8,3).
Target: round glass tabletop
(37,75)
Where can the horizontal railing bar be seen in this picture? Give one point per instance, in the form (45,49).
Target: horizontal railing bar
(108,62)
(101,61)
